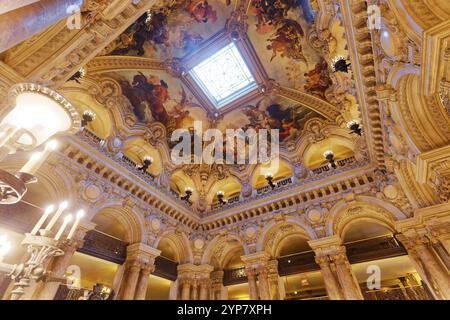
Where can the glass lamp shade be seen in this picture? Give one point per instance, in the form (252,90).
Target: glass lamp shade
(40,113)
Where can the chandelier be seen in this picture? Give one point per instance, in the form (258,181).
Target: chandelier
(35,114)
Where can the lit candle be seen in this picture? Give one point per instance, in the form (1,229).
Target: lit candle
(67,220)
(58,213)
(41,221)
(80,215)
(38,159)
(6,135)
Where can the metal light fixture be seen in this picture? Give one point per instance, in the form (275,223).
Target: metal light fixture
(146,163)
(42,243)
(329,155)
(269,178)
(355,127)
(77,76)
(188,194)
(340,64)
(35,114)
(88,117)
(220,197)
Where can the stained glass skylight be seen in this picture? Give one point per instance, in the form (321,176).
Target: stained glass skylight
(224,76)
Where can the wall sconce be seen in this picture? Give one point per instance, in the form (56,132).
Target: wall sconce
(36,114)
(355,127)
(88,117)
(220,197)
(269,179)
(340,64)
(188,194)
(146,163)
(329,155)
(77,76)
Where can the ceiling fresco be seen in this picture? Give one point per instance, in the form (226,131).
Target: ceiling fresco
(296,90)
(174,29)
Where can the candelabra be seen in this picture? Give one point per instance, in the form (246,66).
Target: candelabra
(146,164)
(42,245)
(188,194)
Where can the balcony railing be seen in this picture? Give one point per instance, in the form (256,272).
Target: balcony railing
(398,293)
(105,247)
(360,251)
(278,185)
(340,163)
(166,268)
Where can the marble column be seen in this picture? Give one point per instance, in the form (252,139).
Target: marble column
(192,277)
(276,284)
(204,286)
(195,290)
(186,289)
(427,263)
(329,278)
(22,23)
(129,290)
(256,265)
(141,289)
(340,281)
(140,262)
(346,278)
(217,285)
(264,291)
(252,286)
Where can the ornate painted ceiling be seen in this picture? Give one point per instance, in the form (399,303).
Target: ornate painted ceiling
(141,89)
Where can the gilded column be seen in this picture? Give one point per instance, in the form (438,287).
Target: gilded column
(256,265)
(193,277)
(275,284)
(217,285)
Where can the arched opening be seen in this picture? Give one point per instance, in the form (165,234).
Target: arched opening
(278,171)
(372,249)
(315,154)
(138,151)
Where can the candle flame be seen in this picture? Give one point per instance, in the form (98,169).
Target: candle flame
(53,144)
(80,214)
(50,209)
(63,205)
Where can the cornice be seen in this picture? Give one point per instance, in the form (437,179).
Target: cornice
(123,63)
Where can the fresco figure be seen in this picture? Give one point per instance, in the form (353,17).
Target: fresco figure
(318,80)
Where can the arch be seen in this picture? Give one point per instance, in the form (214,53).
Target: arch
(230,186)
(131,219)
(220,250)
(342,148)
(275,232)
(364,207)
(179,242)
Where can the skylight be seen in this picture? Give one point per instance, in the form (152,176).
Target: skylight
(224,76)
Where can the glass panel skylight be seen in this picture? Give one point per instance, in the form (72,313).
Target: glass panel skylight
(224,76)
